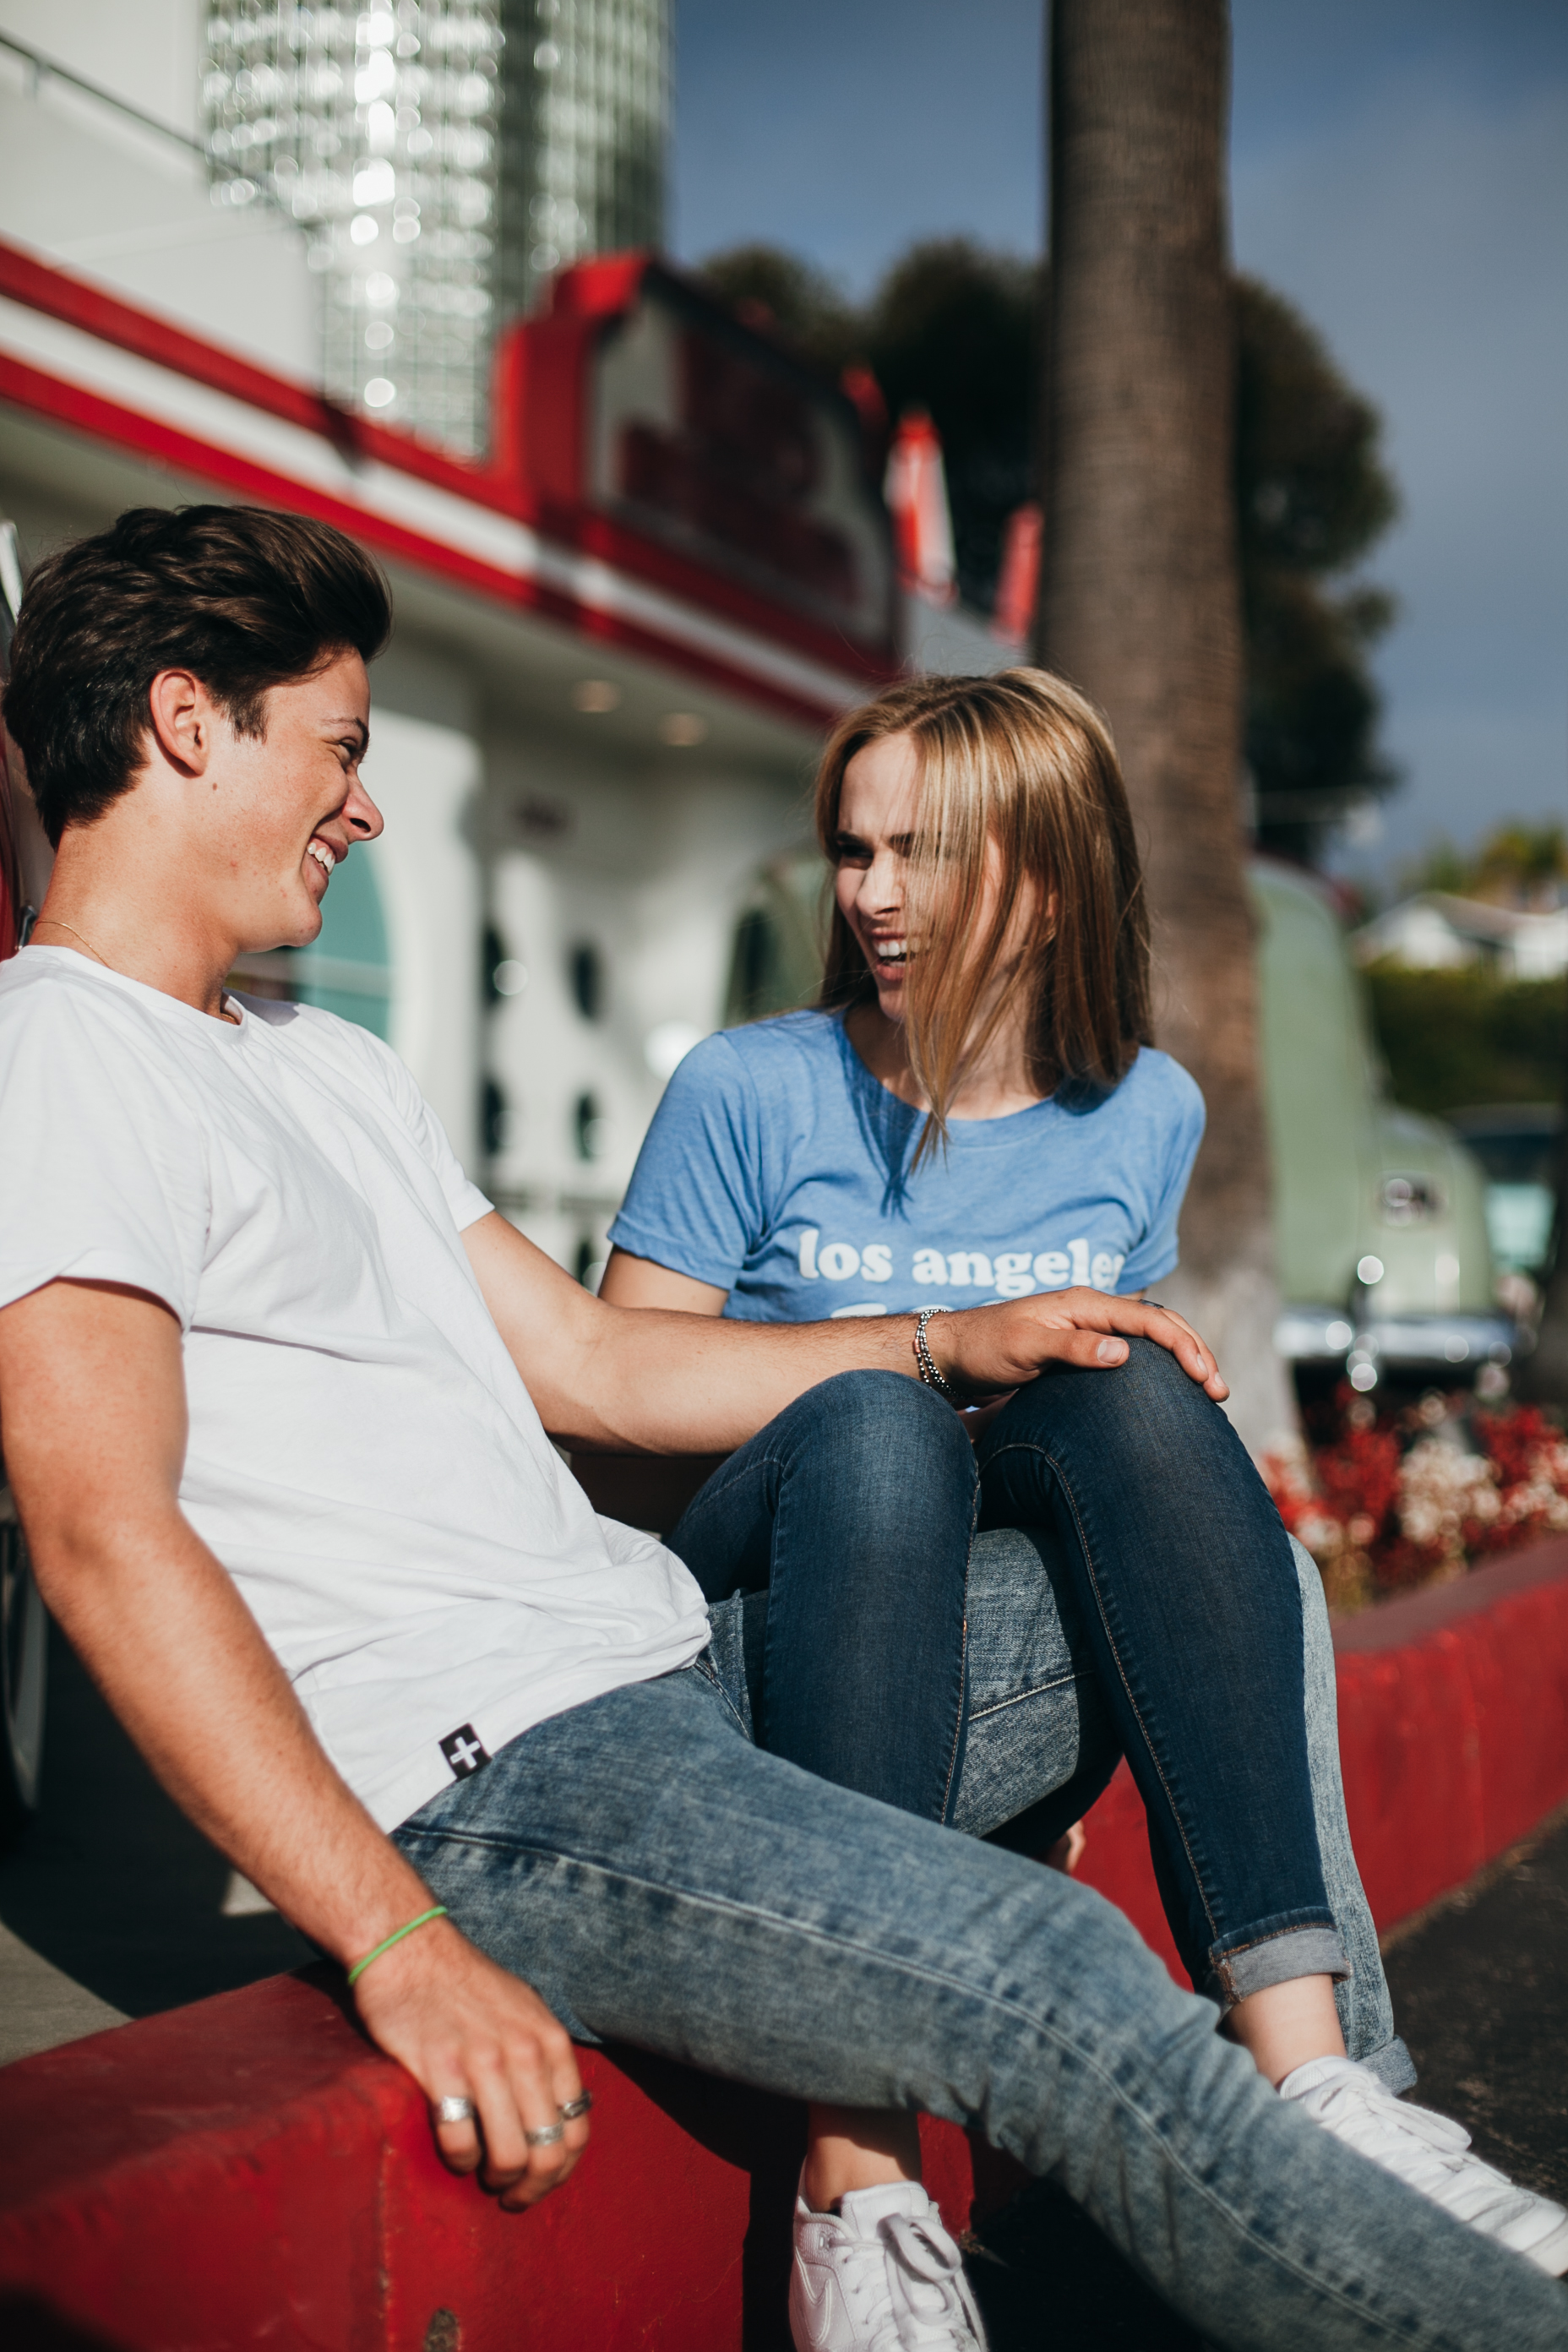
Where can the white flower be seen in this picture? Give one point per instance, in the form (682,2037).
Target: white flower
(1441,1488)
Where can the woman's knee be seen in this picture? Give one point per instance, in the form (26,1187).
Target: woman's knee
(885,1424)
(1149,1399)
(866,1406)
(1148,1396)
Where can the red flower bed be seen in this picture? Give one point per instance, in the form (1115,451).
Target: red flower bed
(1386,1500)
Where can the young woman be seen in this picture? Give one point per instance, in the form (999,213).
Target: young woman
(976,1112)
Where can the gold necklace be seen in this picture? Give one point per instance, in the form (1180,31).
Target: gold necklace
(223,1014)
(76,935)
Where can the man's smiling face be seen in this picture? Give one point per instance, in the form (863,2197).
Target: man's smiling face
(282,810)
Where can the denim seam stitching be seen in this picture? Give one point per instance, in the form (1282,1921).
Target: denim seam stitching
(961,1718)
(1035,1690)
(1020,1446)
(715,1681)
(712,1490)
(1328,1925)
(1357,2307)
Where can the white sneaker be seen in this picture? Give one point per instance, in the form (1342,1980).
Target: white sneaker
(1428,2152)
(882,2276)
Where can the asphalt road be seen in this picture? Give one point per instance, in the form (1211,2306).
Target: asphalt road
(114,1908)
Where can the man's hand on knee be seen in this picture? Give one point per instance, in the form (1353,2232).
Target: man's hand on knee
(466,2030)
(986,1349)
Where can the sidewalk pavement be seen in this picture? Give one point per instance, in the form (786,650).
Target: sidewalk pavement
(1480,1987)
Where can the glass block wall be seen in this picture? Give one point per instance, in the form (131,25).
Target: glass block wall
(443,157)
(584,135)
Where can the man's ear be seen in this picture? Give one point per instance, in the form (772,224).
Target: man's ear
(183,721)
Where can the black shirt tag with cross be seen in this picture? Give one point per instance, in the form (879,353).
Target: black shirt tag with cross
(463,1752)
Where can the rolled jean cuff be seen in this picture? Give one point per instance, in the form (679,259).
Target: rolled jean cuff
(1393,2066)
(1273,1953)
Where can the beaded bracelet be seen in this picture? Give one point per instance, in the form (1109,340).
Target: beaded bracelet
(925,1360)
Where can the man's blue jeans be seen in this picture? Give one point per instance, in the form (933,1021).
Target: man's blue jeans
(662,1880)
(1150,1605)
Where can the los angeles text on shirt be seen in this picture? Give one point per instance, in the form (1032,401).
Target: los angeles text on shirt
(1013,1274)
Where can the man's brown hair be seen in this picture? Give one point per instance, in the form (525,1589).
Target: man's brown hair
(1021,760)
(244,599)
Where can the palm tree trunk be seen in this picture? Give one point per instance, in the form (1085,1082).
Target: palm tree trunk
(1140,600)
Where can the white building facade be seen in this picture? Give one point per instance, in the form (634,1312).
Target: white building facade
(620,636)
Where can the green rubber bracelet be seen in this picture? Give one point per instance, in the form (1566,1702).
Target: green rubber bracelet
(424,1920)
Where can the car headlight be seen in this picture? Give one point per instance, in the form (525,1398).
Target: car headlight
(1408,1199)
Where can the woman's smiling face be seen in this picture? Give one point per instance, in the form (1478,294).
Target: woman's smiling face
(879,817)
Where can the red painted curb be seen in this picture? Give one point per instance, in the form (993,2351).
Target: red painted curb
(1454,1725)
(249,2172)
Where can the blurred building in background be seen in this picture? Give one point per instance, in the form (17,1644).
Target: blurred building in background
(445,158)
(629,601)
(1437,931)
(584,133)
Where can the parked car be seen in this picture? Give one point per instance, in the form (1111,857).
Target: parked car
(1385,1265)
(1519,1146)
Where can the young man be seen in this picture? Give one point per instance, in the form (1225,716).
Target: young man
(274,1385)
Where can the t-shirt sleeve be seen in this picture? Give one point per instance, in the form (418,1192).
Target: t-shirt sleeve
(1175,1147)
(103,1170)
(694,1200)
(465,1200)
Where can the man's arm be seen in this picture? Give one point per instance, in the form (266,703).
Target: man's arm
(644,1380)
(639,1282)
(93,1416)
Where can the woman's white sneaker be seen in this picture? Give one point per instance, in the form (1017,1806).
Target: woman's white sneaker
(1429,2153)
(883,2275)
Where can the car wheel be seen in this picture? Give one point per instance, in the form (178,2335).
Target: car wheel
(23,1674)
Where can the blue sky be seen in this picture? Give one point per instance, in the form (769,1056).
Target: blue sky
(1400,170)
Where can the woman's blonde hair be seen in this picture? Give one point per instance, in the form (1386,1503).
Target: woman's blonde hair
(1022,759)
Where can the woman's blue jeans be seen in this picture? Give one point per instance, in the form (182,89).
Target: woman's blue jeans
(1150,1605)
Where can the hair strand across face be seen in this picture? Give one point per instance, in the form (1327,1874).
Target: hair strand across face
(1021,761)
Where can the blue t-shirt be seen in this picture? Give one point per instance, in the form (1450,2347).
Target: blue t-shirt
(778,1168)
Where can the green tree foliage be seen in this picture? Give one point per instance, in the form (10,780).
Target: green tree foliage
(954,328)
(1517,865)
(1443,867)
(1464,1036)
(1311,496)
(785,296)
(950,329)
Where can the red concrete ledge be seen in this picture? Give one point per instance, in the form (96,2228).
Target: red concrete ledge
(1453,1737)
(249,2172)
(1454,1725)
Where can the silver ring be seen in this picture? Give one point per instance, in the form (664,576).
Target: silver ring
(548,2138)
(455,2111)
(576,2107)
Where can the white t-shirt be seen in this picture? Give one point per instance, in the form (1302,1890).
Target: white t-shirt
(364,1457)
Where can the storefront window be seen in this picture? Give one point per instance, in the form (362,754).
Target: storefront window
(776,963)
(347,970)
